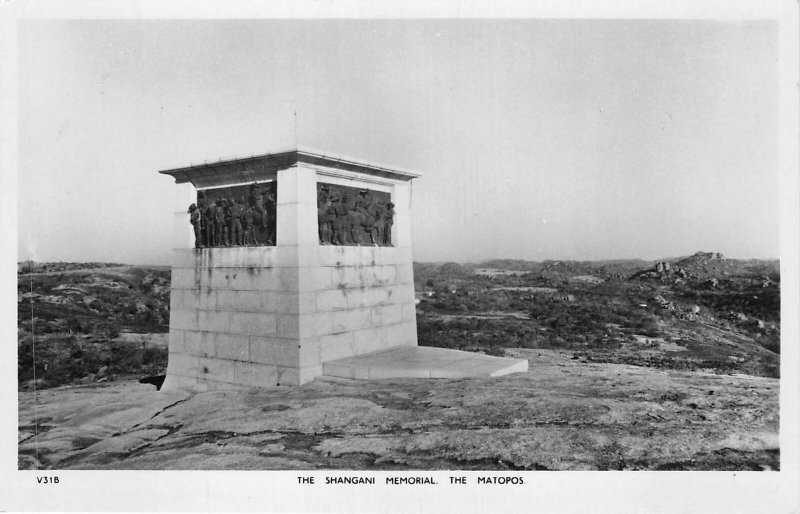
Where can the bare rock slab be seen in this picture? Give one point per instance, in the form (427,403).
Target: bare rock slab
(422,362)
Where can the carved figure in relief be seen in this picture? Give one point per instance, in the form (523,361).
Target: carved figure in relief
(194,219)
(380,222)
(341,226)
(374,205)
(360,201)
(360,222)
(325,216)
(254,198)
(387,235)
(237,210)
(354,219)
(219,221)
(201,208)
(249,232)
(364,218)
(269,218)
(323,194)
(211,226)
(260,215)
(228,235)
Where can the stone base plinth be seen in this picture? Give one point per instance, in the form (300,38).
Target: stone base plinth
(268,316)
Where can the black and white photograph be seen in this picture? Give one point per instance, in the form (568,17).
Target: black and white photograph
(470,257)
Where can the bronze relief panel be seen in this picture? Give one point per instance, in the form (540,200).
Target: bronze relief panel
(235,216)
(354,216)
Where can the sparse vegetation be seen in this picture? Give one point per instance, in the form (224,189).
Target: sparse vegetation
(703,311)
(574,322)
(74,313)
(700,312)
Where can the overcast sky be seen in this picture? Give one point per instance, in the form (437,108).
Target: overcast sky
(536,139)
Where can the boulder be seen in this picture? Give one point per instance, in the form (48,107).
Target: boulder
(737,316)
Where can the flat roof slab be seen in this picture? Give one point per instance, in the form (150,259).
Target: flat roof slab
(422,362)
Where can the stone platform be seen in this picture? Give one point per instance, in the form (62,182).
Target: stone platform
(422,362)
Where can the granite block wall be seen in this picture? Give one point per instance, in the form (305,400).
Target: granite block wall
(250,316)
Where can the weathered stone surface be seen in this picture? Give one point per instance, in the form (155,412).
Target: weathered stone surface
(281,352)
(422,362)
(564,414)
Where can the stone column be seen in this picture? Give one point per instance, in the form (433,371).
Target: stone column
(182,231)
(297,207)
(401,231)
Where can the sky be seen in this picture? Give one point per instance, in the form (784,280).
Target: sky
(536,139)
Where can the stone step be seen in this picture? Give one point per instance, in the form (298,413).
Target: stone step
(422,362)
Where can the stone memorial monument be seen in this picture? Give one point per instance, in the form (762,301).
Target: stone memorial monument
(297,264)
(287,261)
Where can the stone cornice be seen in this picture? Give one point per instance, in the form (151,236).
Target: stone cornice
(265,167)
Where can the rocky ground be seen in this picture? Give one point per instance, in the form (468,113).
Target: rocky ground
(699,312)
(565,413)
(82,322)
(633,365)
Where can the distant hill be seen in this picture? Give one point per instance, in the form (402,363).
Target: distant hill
(94,296)
(706,265)
(70,316)
(26,267)
(510,264)
(700,311)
